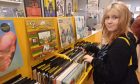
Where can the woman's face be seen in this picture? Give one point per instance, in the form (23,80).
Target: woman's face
(112,20)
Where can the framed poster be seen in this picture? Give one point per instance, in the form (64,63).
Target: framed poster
(93,7)
(10,55)
(42,36)
(65,31)
(69,8)
(33,8)
(60,7)
(49,8)
(80,27)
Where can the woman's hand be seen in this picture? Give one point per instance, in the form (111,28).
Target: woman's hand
(88,58)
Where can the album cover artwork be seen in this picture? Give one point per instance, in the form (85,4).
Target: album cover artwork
(69,8)
(33,8)
(10,55)
(80,27)
(65,31)
(42,36)
(49,8)
(60,7)
(75,6)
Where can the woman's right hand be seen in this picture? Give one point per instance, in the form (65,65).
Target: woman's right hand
(88,58)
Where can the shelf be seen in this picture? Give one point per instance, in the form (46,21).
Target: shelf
(14,2)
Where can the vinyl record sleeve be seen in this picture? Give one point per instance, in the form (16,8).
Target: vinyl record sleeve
(10,55)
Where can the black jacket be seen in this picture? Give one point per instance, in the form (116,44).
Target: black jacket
(111,65)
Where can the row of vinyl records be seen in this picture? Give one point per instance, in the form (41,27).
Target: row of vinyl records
(21,80)
(57,70)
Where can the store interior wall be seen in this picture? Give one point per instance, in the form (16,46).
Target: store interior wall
(104,3)
(134,4)
(82,7)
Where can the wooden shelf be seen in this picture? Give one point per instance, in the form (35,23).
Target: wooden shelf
(14,2)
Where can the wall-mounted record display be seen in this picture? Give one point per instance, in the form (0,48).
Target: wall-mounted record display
(60,7)
(10,56)
(33,8)
(42,36)
(80,27)
(49,8)
(66,31)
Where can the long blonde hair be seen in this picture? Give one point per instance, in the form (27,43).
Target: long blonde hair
(124,19)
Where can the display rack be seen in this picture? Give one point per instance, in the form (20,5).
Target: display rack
(26,70)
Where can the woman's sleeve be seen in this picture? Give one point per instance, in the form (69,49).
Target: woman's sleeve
(116,65)
(92,48)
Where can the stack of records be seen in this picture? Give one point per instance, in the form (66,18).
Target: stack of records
(47,70)
(57,70)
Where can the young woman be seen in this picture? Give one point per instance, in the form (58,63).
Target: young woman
(111,62)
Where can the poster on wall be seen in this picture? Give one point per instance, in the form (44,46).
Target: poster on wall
(92,7)
(65,31)
(49,8)
(69,8)
(80,27)
(10,55)
(60,7)
(42,36)
(33,8)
